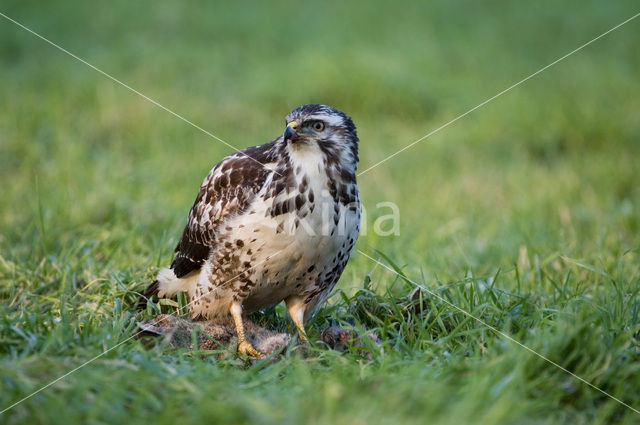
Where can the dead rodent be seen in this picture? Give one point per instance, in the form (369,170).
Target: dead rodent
(215,334)
(220,334)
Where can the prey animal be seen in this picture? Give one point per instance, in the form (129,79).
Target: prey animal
(270,223)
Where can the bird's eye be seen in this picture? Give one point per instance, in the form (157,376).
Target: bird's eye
(318,126)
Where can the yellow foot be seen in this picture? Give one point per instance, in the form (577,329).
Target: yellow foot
(245,347)
(303,336)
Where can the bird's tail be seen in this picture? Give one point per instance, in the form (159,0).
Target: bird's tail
(167,284)
(149,291)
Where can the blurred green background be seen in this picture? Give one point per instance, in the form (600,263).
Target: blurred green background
(97,181)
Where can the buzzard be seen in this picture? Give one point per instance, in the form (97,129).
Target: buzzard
(270,223)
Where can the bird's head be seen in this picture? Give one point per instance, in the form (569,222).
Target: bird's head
(323,125)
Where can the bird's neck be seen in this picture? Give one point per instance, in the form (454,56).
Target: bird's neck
(323,158)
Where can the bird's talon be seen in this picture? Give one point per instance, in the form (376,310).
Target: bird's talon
(245,347)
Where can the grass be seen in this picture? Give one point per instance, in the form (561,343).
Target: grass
(524,213)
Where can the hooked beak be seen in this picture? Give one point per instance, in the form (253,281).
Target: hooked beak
(290,132)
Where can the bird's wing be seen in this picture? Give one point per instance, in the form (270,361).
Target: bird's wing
(225,192)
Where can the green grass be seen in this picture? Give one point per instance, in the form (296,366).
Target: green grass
(526,213)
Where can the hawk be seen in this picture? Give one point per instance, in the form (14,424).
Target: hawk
(270,223)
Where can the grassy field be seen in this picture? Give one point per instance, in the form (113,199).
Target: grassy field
(525,213)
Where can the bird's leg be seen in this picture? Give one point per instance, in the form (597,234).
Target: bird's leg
(296,308)
(244,346)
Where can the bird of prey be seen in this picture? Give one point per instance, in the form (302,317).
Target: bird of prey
(270,223)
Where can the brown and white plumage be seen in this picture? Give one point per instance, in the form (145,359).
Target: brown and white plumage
(272,222)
